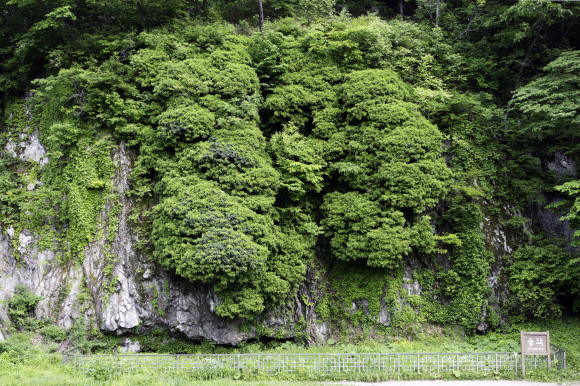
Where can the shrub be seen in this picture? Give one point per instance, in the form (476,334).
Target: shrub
(22,306)
(17,348)
(53,332)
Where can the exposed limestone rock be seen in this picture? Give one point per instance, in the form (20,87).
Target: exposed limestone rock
(562,165)
(322,332)
(482,327)
(39,271)
(411,286)
(144,297)
(29,148)
(184,308)
(130,346)
(549,221)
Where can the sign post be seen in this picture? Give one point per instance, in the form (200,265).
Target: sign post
(534,343)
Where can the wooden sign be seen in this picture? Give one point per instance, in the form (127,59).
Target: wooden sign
(534,343)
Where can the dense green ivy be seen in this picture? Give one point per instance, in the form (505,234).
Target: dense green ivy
(465,283)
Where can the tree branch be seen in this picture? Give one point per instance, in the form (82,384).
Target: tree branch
(471,20)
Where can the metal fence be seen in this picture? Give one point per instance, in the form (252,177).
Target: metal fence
(274,364)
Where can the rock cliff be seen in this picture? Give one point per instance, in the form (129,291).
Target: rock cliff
(144,297)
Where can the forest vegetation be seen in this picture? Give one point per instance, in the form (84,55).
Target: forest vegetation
(340,137)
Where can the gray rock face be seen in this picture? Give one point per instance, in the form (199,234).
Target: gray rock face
(547,219)
(550,222)
(562,165)
(143,297)
(29,148)
(129,346)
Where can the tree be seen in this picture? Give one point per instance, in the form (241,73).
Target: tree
(549,104)
(527,21)
(261,15)
(393,155)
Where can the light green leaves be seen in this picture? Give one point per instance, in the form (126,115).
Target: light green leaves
(299,159)
(550,103)
(251,165)
(361,230)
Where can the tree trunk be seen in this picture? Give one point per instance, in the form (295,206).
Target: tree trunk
(401,9)
(523,64)
(261,10)
(437,11)
(75,12)
(5,101)
(197,10)
(562,31)
(141,14)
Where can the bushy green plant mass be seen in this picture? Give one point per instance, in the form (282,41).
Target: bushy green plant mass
(21,305)
(363,141)
(237,203)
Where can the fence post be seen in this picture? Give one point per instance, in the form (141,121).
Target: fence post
(438,365)
(477,363)
(564,360)
(177,362)
(457,361)
(496,364)
(418,366)
(399,361)
(75,362)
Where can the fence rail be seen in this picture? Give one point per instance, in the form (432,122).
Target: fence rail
(274,364)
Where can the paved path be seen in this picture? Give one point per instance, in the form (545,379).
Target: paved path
(452,383)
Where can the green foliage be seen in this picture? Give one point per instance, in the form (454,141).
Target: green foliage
(53,332)
(360,230)
(549,103)
(357,293)
(204,234)
(18,348)
(21,307)
(83,338)
(465,283)
(215,222)
(572,190)
(262,151)
(313,9)
(299,161)
(541,274)
(8,182)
